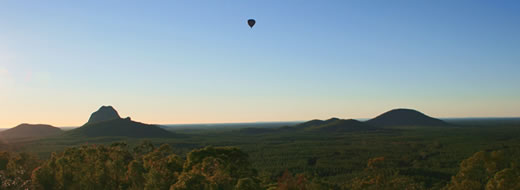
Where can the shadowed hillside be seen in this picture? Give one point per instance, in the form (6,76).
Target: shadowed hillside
(106,122)
(330,125)
(405,117)
(121,127)
(340,125)
(317,122)
(29,131)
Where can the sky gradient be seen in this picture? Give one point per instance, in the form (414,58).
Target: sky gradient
(168,62)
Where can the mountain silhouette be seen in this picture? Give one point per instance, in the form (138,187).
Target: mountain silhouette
(29,131)
(405,117)
(329,126)
(122,128)
(342,125)
(105,113)
(106,122)
(317,122)
(335,125)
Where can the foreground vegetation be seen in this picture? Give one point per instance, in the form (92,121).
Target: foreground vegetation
(147,167)
(144,167)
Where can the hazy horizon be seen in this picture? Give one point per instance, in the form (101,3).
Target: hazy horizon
(250,122)
(199,62)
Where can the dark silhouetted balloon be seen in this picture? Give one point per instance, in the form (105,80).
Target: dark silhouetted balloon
(251,22)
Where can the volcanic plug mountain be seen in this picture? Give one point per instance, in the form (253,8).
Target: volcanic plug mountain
(107,122)
(105,113)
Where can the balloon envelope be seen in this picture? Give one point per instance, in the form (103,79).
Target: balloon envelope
(251,22)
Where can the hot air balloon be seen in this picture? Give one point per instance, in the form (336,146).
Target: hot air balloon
(251,22)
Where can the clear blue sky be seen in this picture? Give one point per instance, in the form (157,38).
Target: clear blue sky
(199,62)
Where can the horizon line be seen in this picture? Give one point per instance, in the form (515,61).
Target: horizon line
(294,121)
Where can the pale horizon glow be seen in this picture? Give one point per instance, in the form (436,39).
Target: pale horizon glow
(199,62)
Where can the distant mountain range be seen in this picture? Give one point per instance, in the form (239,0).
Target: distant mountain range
(396,117)
(107,122)
(28,131)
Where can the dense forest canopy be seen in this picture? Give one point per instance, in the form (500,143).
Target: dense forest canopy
(145,166)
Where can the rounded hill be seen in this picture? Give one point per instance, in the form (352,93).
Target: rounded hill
(405,117)
(30,131)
